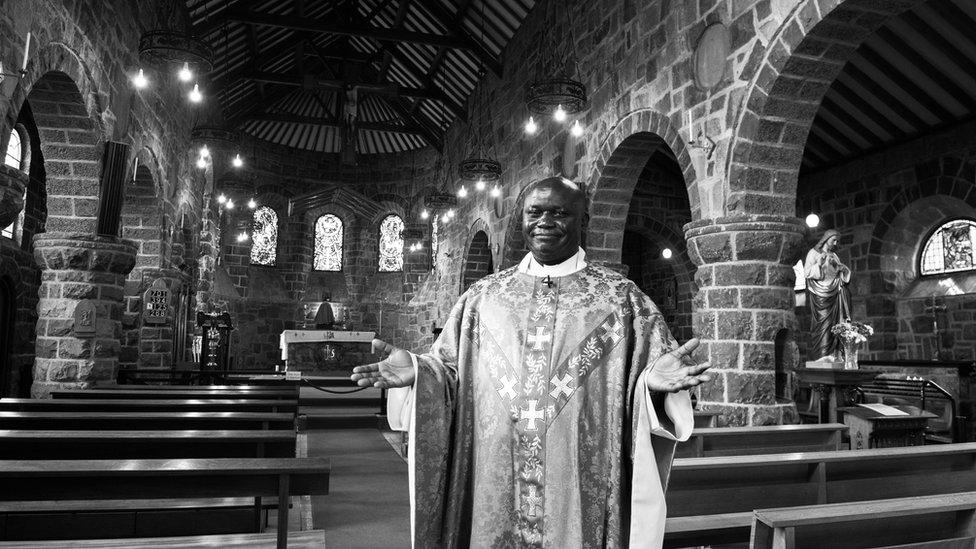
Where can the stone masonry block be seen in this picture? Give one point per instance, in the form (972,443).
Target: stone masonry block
(736,325)
(751,387)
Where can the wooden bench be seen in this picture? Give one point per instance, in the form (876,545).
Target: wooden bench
(705,418)
(774,439)
(136,421)
(276,393)
(176,404)
(309,539)
(943,521)
(711,500)
(56,480)
(164,444)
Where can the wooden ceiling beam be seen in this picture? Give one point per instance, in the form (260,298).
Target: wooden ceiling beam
(333,123)
(330,27)
(455,23)
(932,73)
(257,107)
(867,108)
(315,82)
(886,97)
(458,110)
(911,88)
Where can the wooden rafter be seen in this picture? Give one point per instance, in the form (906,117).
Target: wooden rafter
(313,81)
(456,23)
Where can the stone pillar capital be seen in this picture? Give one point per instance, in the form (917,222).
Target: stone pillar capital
(765,238)
(84,252)
(12,185)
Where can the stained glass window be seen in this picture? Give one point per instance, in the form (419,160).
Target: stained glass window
(264,240)
(950,248)
(15,151)
(328,243)
(391,244)
(433,243)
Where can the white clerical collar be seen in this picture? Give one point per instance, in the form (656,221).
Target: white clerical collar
(530,266)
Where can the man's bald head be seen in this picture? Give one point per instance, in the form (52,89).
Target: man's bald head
(553,216)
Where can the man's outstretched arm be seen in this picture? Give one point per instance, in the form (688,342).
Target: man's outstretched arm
(396,370)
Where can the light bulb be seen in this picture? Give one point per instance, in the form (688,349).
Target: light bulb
(221,199)
(445,218)
(480,184)
(420,246)
(576,130)
(424,214)
(237,161)
(559,115)
(139,80)
(242,237)
(450,213)
(531,127)
(813,221)
(204,152)
(201,162)
(195,96)
(185,74)
(230,204)
(666,253)
(496,192)
(462,192)
(252,203)
(413,247)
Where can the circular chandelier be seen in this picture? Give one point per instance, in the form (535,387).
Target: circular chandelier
(484,169)
(164,48)
(547,97)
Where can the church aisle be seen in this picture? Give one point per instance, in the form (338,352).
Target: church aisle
(368,506)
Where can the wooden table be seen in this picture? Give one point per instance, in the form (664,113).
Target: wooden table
(833,389)
(871,429)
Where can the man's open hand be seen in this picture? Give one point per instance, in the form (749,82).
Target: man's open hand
(396,370)
(671,372)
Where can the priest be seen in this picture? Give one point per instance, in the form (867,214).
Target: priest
(546,413)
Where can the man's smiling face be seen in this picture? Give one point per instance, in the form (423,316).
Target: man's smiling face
(552,218)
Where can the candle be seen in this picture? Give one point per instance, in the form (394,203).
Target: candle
(691,128)
(26,52)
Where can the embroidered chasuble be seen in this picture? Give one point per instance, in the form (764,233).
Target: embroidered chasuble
(530,422)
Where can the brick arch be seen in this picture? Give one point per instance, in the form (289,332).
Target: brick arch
(681,265)
(784,94)
(478,258)
(70,146)
(621,159)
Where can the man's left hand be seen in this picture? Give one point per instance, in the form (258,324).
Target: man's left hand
(670,373)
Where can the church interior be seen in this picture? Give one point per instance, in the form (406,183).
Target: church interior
(209,209)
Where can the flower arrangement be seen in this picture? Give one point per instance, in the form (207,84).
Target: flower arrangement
(852,331)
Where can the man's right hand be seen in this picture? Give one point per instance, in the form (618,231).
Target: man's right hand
(396,370)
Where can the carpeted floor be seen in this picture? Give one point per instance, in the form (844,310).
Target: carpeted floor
(368,506)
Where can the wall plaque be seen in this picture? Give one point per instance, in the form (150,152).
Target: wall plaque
(711,56)
(85,318)
(155,303)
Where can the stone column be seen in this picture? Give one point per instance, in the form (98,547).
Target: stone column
(77,267)
(745,297)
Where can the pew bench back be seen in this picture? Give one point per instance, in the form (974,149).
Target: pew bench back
(775,439)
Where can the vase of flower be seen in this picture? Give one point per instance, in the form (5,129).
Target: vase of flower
(852,334)
(850,354)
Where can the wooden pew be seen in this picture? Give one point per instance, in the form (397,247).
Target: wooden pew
(27,444)
(275,393)
(774,439)
(136,420)
(55,480)
(308,539)
(149,405)
(710,500)
(945,521)
(705,418)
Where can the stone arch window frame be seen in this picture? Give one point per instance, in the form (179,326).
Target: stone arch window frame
(924,242)
(379,242)
(342,243)
(277,233)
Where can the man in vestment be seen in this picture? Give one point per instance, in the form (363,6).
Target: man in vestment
(546,413)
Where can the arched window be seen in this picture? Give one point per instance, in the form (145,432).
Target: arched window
(264,246)
(949,249)
(391,244)
(328,243)
(15,150)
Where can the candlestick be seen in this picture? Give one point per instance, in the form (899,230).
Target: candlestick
(26,52)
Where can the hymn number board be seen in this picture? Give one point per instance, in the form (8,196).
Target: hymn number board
(155,303)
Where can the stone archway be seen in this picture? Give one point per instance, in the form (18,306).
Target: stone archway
(795,71)
(623,155)
(477,261)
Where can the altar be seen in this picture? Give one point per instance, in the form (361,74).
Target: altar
(325,352)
